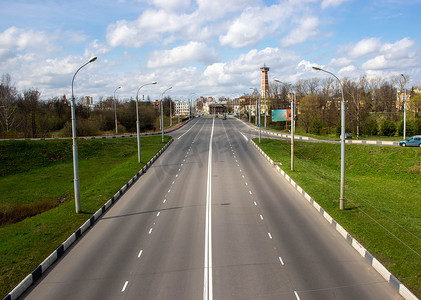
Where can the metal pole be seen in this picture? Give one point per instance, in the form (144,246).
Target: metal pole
(404,108)
(170,114)
(162,112)
(76,182)
(342,187)
(260,124)
(139,154)
(115,109)
(292,129)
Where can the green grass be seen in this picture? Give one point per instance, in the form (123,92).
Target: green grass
(382,196)
(33,172)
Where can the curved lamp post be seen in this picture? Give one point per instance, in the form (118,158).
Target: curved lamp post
(115,109)
(75,158)
(190,104)
(342,188)
(139,156)
(162,112)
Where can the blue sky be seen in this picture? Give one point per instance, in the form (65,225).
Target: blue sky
(207,47)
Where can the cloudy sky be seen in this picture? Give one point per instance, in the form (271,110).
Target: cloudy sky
(206,47)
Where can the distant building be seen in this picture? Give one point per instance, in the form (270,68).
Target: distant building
(87,101)
(181,108)
(264,89)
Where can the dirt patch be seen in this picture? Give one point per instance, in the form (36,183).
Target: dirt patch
(17,213)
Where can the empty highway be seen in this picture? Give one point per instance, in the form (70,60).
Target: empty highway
(211,219)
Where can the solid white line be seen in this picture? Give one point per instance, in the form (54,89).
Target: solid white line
(186,131)
(296,295)
(125,285)
(244,137)
(140,253)
(280,259)
(207,278)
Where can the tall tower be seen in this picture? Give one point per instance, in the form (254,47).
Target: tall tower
(264,90)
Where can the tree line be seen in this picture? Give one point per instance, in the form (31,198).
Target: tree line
(371,105)
(371,109)
(24,114)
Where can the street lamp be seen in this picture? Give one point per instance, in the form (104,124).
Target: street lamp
(292,95)
(162,112)
(250,106)
(190,105)
(342,188)
(75,157)
(137,121)
(404,107)
(115,109)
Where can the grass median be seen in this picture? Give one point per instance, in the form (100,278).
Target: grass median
(36,178)
(382,196)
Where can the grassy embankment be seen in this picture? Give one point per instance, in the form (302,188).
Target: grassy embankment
(383,200)
(37,177)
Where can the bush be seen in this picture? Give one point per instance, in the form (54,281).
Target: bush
(370,127)
(417,126)
(83,128)
(388,128)
(316,127)
(409,128)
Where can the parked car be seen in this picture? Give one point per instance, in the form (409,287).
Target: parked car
(413,141)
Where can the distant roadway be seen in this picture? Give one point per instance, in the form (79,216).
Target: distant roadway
(211,219)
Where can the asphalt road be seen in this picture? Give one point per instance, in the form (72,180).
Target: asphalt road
(211,219)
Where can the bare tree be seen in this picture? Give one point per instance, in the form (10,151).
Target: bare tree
(8,105)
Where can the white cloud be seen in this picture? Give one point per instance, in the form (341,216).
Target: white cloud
(398,55)
(179,56)
(211,9)
(22,40)
(246,68)
(333,3)
(172,5)
(339,62)
(247,29)
(365,47)
(308,27)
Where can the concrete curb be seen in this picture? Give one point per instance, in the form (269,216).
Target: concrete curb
(393,281)
(37,273)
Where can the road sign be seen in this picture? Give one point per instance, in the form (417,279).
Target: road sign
(260,125)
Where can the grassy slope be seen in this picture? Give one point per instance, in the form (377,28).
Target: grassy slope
(39,170)
(382,182)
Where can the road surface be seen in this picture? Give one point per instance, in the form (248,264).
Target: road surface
(211,219)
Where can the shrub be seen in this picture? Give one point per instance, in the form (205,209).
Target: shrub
(388,128)
(370,127)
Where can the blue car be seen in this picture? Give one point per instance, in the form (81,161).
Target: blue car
(413,141)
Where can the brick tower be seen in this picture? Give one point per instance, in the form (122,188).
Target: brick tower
(264,90)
